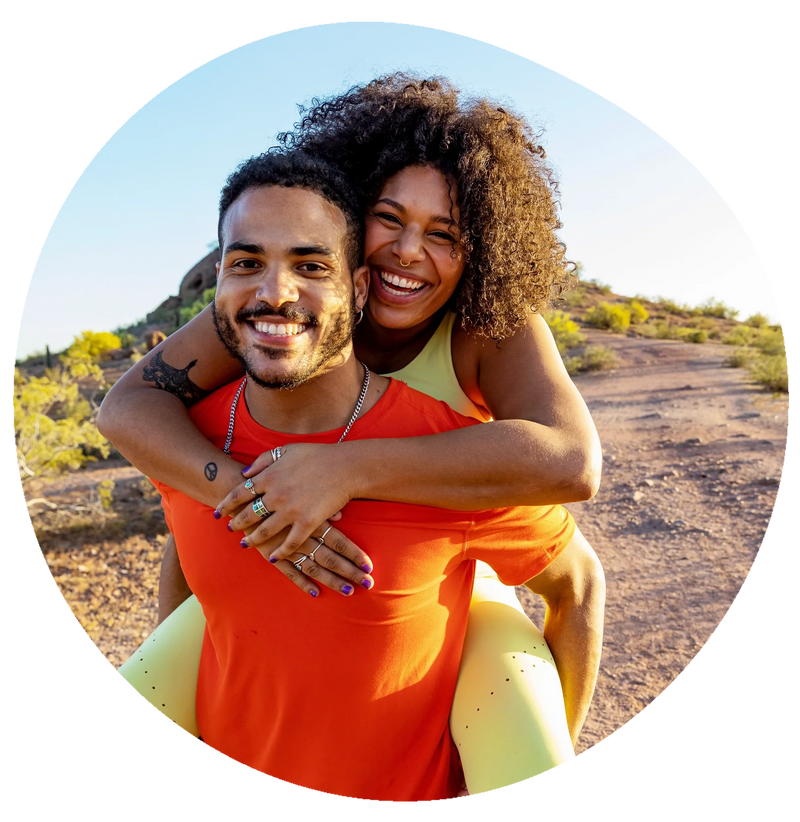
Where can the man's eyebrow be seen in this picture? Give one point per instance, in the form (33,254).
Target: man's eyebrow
(312,250)
(248,248)
(436,218)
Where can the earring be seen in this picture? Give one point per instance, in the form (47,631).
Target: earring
(360,316)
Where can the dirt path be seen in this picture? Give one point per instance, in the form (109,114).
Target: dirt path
(693,455)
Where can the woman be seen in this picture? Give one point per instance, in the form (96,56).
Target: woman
(461,243)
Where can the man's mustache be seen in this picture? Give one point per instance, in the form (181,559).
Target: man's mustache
(288,313)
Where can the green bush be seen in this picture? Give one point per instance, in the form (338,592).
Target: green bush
(671,307)
(595,358)
(575,297)
(771,372)
(740,335)
(769,341)
(53,424)
(614,317)
(189,312)
(603,288)
(740,358)
(693,335)
(566,332)
(757,320)
(716,308)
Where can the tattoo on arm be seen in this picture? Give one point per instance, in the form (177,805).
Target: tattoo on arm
(174,380)
(210,471)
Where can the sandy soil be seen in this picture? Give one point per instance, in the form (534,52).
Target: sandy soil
(692,460)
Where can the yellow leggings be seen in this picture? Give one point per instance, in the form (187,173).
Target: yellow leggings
(507,719)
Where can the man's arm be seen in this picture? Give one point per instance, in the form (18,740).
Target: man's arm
(574,590)
(172,586)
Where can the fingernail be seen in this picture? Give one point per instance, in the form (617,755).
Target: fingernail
(217,514)
(366,568)
(229,527)
(243,543)
(366,583)
(347,589)
(273,560)
(313,593)
(245,470)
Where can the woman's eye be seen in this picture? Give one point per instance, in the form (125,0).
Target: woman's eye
(385,215)
(443,235)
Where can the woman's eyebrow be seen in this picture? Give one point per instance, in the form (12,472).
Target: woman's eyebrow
(435,218)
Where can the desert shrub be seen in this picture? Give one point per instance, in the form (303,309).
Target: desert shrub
(603,288)
(575,297)
(53,424)
(769,341)
(740,358)
(189,312)
(671,307)
(566,332)
(595,358)
(716,308)
(614,317)
(639,313)
(740,335)
(92,346)
(693,335)
(757,321)
(771,372)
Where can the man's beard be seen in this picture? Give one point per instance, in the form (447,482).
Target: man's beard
(340,333)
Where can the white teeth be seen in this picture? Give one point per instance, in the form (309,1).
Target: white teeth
(280,329)
(393,279)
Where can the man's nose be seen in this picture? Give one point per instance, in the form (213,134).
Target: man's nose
(277,287)
(409,246)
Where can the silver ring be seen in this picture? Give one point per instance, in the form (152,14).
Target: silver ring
(311,555)
(324,534)
(276,454)
(259,509)
(299,563)
(249,486)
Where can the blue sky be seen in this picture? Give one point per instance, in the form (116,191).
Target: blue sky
(635,212)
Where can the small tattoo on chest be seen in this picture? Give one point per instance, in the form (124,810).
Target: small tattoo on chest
(211,471)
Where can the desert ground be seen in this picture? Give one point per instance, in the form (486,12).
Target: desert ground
(693,453)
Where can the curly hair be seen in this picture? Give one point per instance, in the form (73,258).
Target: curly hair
(506,192)
(276,167)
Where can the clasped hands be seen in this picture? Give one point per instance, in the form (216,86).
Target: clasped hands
(299,517)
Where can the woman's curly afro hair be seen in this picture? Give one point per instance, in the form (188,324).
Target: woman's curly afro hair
(506,192)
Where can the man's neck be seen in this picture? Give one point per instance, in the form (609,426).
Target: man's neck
(322,403)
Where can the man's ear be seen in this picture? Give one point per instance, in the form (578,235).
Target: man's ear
(361,286)
(217,270)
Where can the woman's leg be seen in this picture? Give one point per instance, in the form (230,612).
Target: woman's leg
(163,671)
(508,718)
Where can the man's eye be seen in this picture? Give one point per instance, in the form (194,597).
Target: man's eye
(246,263)
(312,268)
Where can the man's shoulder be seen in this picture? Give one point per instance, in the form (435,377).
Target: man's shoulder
(216,404)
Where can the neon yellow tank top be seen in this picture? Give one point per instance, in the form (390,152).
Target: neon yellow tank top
(432,372)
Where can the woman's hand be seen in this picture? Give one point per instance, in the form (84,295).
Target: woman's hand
(337,563)
(308,485)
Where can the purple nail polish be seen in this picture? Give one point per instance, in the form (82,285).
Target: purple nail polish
(347,589)
(273,560)
(217,514)
(313,593)
(367,569)
(228,526)
(244,544)
(245,470)
(366,583)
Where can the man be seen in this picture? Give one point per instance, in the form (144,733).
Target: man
(276,674)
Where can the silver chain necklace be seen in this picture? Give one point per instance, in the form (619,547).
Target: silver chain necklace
(364,387)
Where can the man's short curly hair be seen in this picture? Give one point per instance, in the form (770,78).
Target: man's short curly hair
(279,167)
(506,192)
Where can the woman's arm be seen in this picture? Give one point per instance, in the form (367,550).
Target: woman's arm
(145,413)
(542,448)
